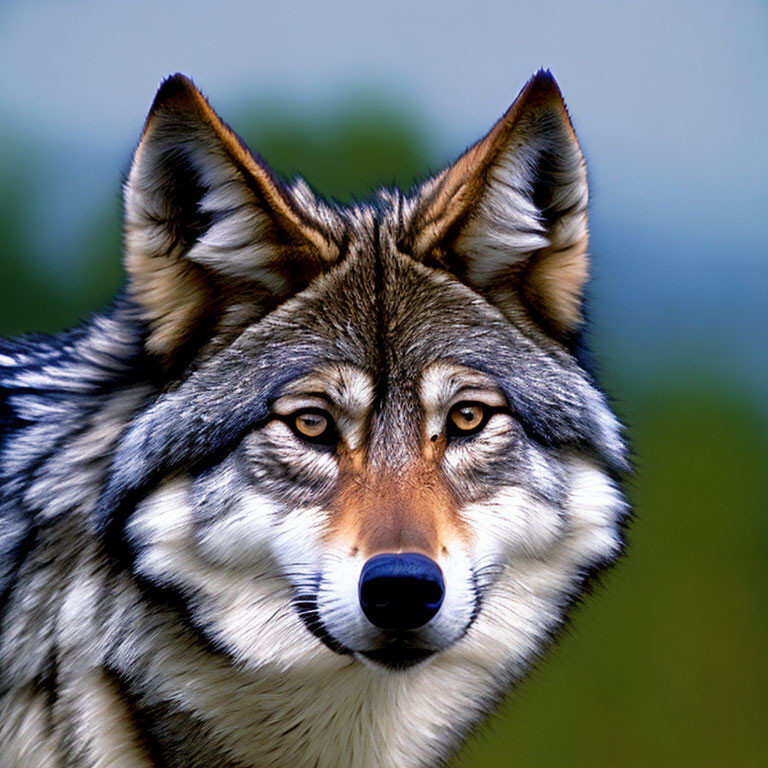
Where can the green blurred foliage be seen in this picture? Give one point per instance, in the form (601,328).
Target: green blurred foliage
(344,155)
(34,297)
(665,665)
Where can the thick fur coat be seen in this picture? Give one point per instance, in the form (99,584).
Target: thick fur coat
(196,484)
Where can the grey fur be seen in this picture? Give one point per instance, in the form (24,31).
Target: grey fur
(147,536)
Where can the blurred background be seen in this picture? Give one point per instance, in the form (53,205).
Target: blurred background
(667,665)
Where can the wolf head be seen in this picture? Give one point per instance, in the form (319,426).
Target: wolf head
(373,443)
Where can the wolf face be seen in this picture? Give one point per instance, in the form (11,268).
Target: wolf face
(350,465)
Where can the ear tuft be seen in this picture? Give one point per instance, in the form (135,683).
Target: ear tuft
(177,87)
(542,89)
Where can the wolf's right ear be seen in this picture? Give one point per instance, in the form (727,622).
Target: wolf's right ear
(205,220)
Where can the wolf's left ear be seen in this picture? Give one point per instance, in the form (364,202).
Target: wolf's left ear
(509,218)
(207,224)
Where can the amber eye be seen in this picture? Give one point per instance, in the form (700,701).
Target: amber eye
(467,418)
(315,426)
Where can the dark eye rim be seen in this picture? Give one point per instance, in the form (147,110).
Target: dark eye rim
(453,432)
(329,437)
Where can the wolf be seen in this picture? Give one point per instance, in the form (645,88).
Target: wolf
(323,482)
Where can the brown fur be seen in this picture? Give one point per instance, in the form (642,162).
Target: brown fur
(411,512)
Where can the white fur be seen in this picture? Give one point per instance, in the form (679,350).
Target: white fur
(234,245)
(248,609)
(507,227)
(24,733)
(104,726)
(344,712)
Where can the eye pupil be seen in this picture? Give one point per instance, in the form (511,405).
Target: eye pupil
(466,418)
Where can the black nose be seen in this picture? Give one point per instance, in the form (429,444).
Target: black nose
(401,591)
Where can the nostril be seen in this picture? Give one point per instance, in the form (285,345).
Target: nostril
(402,591)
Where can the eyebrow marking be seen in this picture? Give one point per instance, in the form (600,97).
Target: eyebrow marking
(345,389)
(445,384)
(321,395)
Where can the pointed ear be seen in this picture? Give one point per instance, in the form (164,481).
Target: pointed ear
(205,220)
(510,216)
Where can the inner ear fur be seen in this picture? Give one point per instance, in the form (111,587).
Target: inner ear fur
(207,223)
(509,217)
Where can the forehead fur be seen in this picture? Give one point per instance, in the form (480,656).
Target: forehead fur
(391,316)
(385,312)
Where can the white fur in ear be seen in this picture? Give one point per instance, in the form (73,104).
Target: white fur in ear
(201,210)
(513,208)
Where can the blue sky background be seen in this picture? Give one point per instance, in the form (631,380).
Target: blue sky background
(668,98)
